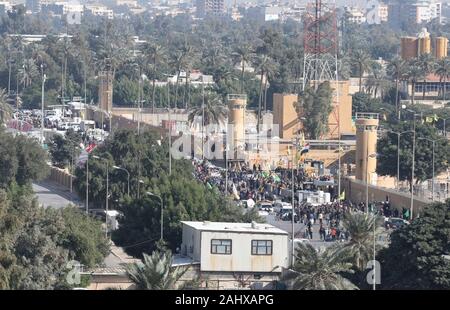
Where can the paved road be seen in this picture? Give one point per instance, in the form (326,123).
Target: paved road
(54,195)
(299,228)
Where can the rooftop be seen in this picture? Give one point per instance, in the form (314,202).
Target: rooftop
(235,227)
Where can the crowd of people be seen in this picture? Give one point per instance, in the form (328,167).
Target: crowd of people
(252,183)
(246,182)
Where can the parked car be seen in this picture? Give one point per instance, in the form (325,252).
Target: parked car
(395,223)
(278,206)
(265,206)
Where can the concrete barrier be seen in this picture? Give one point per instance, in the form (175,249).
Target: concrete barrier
(60,176)
(355,191)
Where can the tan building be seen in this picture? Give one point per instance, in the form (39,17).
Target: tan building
(441,47)
(424,42)
(236,118)
(105,91)
(285,114)
(409,47)
(342,111)
(366,147)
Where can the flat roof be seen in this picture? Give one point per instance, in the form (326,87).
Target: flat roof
(258,228)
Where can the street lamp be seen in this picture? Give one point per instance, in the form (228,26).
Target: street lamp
(162,208)
(128,175)
(398,153)
(87,184)
(44,77)
(413,161)
(445,130)
(432,181)
(139,190)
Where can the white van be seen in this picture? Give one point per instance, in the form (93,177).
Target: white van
(281,207)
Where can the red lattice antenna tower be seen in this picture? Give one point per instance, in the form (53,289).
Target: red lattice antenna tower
(321,58)
(320,42)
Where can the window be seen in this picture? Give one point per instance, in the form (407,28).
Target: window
(261,247)
(221,246)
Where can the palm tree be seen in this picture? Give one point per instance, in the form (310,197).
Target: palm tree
(156,54)
(213,54)
(397,69)
(213,110)
(426,63)
(5,108)
(360,227)
(28,72)
(414,73)
(177,61)
(243,55)
(319,270)
(443,71)
(189,53)
(264,66)
(362,60)
(155,272)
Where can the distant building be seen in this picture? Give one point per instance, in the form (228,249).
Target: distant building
(383,13)
(4,7)
(33,6)
(210,7)
(418,12)
(355,15)
(99,10)
(265,13)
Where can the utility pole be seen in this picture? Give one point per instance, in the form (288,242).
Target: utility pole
(412,171)
(87,184)
(42,104)
(139,103)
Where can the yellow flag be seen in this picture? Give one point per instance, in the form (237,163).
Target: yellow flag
(342,196)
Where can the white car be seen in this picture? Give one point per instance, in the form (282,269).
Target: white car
(281,206)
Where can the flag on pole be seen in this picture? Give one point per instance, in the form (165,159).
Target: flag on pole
(342,196)
(91,147)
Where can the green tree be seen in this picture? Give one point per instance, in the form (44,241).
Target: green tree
(213,110)
(315,106)
(83,237)
(322,270)
(5,108)
(361,228)
(396,70)
(157,55)
(21,160)
(243,55)
(414,73)
(387,150)
(442,69)
(362,62)
(65,149)
(156,272)
(426,62)
(415,256)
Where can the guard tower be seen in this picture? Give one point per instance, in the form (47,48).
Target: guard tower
(236,120)
(366,146)
(105,90)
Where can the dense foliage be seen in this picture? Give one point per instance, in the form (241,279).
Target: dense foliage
(21,160)
(415,256)
(184,198)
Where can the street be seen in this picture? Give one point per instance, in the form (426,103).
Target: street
(54,195)
(299,228)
